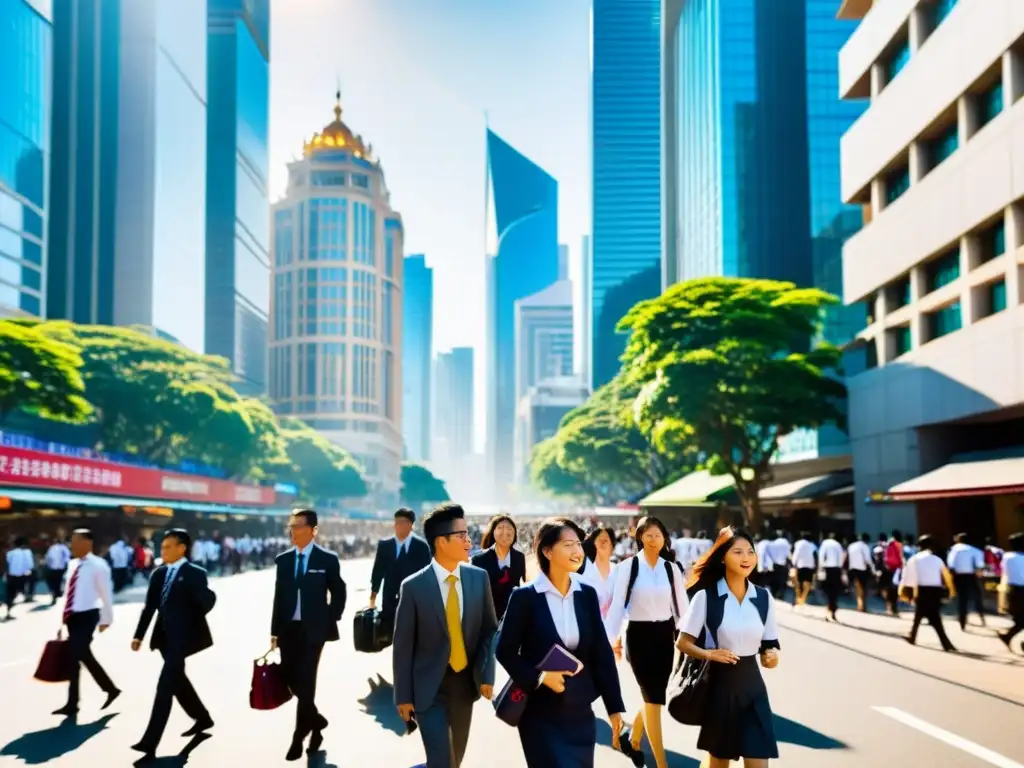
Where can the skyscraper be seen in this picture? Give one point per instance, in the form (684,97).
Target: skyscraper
(335,339)
(742,159)
(522,258)
(417,356)
(237,206)
(626,125)
(26,49)
(581,315)
(453,413)
(128,174)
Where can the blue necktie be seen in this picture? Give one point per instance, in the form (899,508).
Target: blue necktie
(299,569)
(167,585)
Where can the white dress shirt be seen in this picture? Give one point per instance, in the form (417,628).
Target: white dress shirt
(764,558)
(605,586)
(741,630)
(297,616)
(120,554)
(831,554)
(683,547)
(859,554)
(1013,570)
(923,570)
(562,609)
(699,547)
(402,544)
(803,554)
(446,588)
(503,562)
(92,586)
(780,550)
(965,559)
(20,562)
(651,598)
(58,556)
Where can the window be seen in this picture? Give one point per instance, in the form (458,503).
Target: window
(990,104)
(899,294)
(944,270)
(328,179)
(896,183)
(944,321)
(360,180)
(993,241)
(897,61)
(943,145)
(997,297)
(901,340)
(941,10)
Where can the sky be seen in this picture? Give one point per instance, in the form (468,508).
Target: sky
(417,78)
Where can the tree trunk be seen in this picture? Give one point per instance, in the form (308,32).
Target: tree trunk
(750,497)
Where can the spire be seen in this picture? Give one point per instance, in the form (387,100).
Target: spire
(337,101)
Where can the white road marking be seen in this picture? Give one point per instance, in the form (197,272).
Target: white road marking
(7,664)
(978,751)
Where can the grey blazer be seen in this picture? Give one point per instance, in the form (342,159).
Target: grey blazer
(422,646)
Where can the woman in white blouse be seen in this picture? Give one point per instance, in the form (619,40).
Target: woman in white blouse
(650,593)
(598,566)
(731,622)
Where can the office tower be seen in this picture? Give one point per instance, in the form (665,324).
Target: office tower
(26,50)
(539,414)
(626,128)
(237,205)
(417,356)
(935,420)
(563,261)
(522,258)
(335,339)
(581,317)
(453,416)
(127,223)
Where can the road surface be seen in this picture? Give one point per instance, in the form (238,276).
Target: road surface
(843,696)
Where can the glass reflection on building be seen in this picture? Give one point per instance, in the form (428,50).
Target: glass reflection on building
(25,66)
(417,354)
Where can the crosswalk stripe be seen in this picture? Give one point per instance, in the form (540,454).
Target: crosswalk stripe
(978,751)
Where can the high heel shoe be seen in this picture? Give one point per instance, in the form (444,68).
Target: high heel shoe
(627,748)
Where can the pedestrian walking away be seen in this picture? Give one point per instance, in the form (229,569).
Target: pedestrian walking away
(859,568)
(397,557)
(966,563)
(832,556)
(925,581)
(1011,588)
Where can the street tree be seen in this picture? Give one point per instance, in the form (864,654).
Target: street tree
(729,363)
(321,469)
(420,486)
(40,375)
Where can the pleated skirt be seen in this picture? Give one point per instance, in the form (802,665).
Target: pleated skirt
(738,715)
(558,738)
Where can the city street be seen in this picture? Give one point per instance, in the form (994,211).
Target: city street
(843,696)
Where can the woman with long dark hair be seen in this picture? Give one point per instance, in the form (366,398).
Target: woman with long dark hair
(731,622)
(505,565)
(598,566)
(558,729)
(650,594)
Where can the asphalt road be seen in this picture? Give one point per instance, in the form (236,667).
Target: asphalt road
(836,704)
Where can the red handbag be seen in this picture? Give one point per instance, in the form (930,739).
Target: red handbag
(269,689)
(55,664)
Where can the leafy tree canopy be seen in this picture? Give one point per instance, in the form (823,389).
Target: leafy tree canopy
(420,486)
(321,469)
(40,375)
(725,361)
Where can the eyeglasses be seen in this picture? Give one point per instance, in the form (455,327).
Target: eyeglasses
(463,535)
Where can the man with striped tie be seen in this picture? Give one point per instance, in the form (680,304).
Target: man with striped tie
(88,584)
(180,596)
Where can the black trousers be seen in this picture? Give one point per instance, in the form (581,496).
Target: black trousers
(119,577)
(890,591)
(54,580)
(81,627)
(300,660)
(1015,602)
(967,591)
(929,606)
(833,587)
(172,684)
(15,585)
(780,575)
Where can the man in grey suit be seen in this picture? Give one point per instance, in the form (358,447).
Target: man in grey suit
(444,631)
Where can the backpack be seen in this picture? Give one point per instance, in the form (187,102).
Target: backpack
(634,571)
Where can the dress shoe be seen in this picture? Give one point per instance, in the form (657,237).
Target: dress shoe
(295,750)
(316,740)
(200,726)
(67,711)
(111,696)
(146,750)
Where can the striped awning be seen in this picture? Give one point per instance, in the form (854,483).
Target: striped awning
(32,496)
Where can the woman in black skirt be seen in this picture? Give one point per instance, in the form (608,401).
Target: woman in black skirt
(505,565)
(732,622)
(650,593)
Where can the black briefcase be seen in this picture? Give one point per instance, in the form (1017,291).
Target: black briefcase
(367,634)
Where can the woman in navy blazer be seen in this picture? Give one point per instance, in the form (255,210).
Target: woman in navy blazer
(558,729)
(505,565)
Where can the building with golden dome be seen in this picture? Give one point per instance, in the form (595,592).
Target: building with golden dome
(336,303)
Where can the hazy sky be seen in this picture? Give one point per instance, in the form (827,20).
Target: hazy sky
(416,79)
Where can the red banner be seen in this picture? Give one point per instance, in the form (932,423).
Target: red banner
(54,471)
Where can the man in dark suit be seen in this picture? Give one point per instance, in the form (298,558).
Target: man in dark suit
(444,628)
(304,619)
(180,597)
(398,556)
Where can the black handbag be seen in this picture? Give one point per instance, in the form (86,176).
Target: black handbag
(688,686)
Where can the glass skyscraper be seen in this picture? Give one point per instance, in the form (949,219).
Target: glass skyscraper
(742,127)
(417,356)
(626,125)
(522,258)
(25,68)
(237,205)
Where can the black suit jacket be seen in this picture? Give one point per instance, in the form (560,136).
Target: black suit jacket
(390,572)
(322,578)
(502,583)
(181,628)
(527,634)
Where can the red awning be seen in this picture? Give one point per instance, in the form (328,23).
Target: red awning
(966,476)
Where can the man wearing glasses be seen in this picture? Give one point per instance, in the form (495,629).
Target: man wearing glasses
(443,657)
(303,619)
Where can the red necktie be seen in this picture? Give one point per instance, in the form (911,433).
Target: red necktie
(69,596)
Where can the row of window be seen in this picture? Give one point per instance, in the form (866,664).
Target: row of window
(322,234)
(321,372)
(899,56)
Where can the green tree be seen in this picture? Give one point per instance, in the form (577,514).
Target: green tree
(40,375)
(547,474)
(727,363)
(321,469)
(421,486)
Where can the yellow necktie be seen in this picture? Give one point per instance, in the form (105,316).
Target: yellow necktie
(457,660)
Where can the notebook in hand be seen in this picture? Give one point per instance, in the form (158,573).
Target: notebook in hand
(560,660)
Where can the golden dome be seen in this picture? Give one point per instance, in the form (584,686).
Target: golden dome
(336,135)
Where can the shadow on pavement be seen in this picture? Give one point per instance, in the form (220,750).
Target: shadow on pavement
(675,760)
(40,747)
(380,704)
(791,732)
(319,760)
(178,760)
